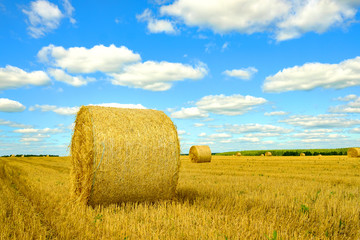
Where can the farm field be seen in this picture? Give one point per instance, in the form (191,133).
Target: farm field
(230,198)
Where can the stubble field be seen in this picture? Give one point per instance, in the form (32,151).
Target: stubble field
(229,198)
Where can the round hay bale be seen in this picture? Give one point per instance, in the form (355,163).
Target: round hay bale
(238,154)
(12,155)
(353,152)
(268,154)
(262,155)
(121,155)
(302,154)
(200,154)
(319,155)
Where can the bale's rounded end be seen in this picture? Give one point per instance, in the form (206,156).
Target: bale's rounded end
(268,154)
(353,152)
(302,154)
(238,154)
(200,154)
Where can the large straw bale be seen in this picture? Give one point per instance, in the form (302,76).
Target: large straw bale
(353,152)
(262,155)
(268,154)
(302,154)
(200,154)
(121,155)
(238,154)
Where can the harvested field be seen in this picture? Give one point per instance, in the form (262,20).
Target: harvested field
(229,198)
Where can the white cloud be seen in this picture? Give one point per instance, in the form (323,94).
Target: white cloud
(347,98)
(192,112)
(76,81)
(7,105)
(248,139)
(157,76)
(74,110)
(30,139)
(43,17)
(156,25)
(245,16)
(13,77)
(69,9)
(355,130)
(312,75)
(83,60)
(181,132)
(229,105)
(283,19)
(13,124)
(56,109)
(244,73)
(350,107)
(254,128)
(199,124)
(276,113)
(119,105)
(314,16)
(266,134)
(220,135)
(39,131)
(321,121)
(202,134)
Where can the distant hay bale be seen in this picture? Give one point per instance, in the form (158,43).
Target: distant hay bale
(120,155)
(268,154)
(302,154)
(262,155)
(47,155)
(22,156)
(238,154)
(13,155)
(353,152)
(319,155)
(200,154)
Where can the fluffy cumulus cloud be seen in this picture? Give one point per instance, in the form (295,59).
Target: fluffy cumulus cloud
(84,60)
(192,112)
(13,77)
(353,105)
(229,105)
(244,73)
(7,105)
(284,19)
(245,16)
(44,16)
(321,121)
(62,76)
(313,75)
(156,25)
(157,76)
(315,16)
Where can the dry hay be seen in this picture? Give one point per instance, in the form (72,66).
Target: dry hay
(319,155)
(200,154)
(302,154)
(262,155)
(238,154)
(268,154)
(22,156)
(47,155)
(12,155)
(121,155)
(353,152)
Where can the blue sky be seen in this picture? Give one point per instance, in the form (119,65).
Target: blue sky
(232,74)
